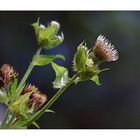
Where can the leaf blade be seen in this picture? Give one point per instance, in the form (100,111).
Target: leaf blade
(43,60)
(61,76)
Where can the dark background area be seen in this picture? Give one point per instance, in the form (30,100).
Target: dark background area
(114,104)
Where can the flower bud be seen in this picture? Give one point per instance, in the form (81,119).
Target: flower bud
(36,99)
(80,57)
(7,73)
(47,36)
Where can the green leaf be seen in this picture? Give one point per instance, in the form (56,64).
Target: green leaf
(36,125)
(14,85)
(61,76)
(13,89)
(80,58)
(95,79)
(42,60)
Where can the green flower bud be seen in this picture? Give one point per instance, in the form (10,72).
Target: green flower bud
(47,36)
(80,58)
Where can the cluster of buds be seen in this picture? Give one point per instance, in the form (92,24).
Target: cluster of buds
(86,62)
(7,76)
(36,99)
(7,73)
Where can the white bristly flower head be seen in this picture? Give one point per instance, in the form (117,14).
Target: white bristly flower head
(104,50)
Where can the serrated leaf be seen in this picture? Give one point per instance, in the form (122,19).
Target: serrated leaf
(61,76)
(13,88)
(95,79)
(42,60)
(80,58)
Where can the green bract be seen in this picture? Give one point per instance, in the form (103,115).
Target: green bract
(80,57)
(47,36)
(20,106)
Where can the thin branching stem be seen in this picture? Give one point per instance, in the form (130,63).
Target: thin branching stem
(51,101)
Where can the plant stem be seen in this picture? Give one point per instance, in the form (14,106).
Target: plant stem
(5,118)
(51,101)
(30,68)
(9,125)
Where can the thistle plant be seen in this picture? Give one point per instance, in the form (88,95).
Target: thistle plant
(25,102)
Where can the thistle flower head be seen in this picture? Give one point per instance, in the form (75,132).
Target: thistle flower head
(29,88)
(7,73)
(36,99)
(104,50)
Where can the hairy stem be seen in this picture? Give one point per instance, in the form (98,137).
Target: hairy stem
(51,101)
(30,68)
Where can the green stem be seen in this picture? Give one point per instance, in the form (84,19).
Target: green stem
(5,118)
(51,101)
(9,125)
(30,68)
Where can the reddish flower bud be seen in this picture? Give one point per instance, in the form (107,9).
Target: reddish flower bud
(36,98)
(7,74)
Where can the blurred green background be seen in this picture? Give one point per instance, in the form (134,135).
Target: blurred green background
(114,104)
